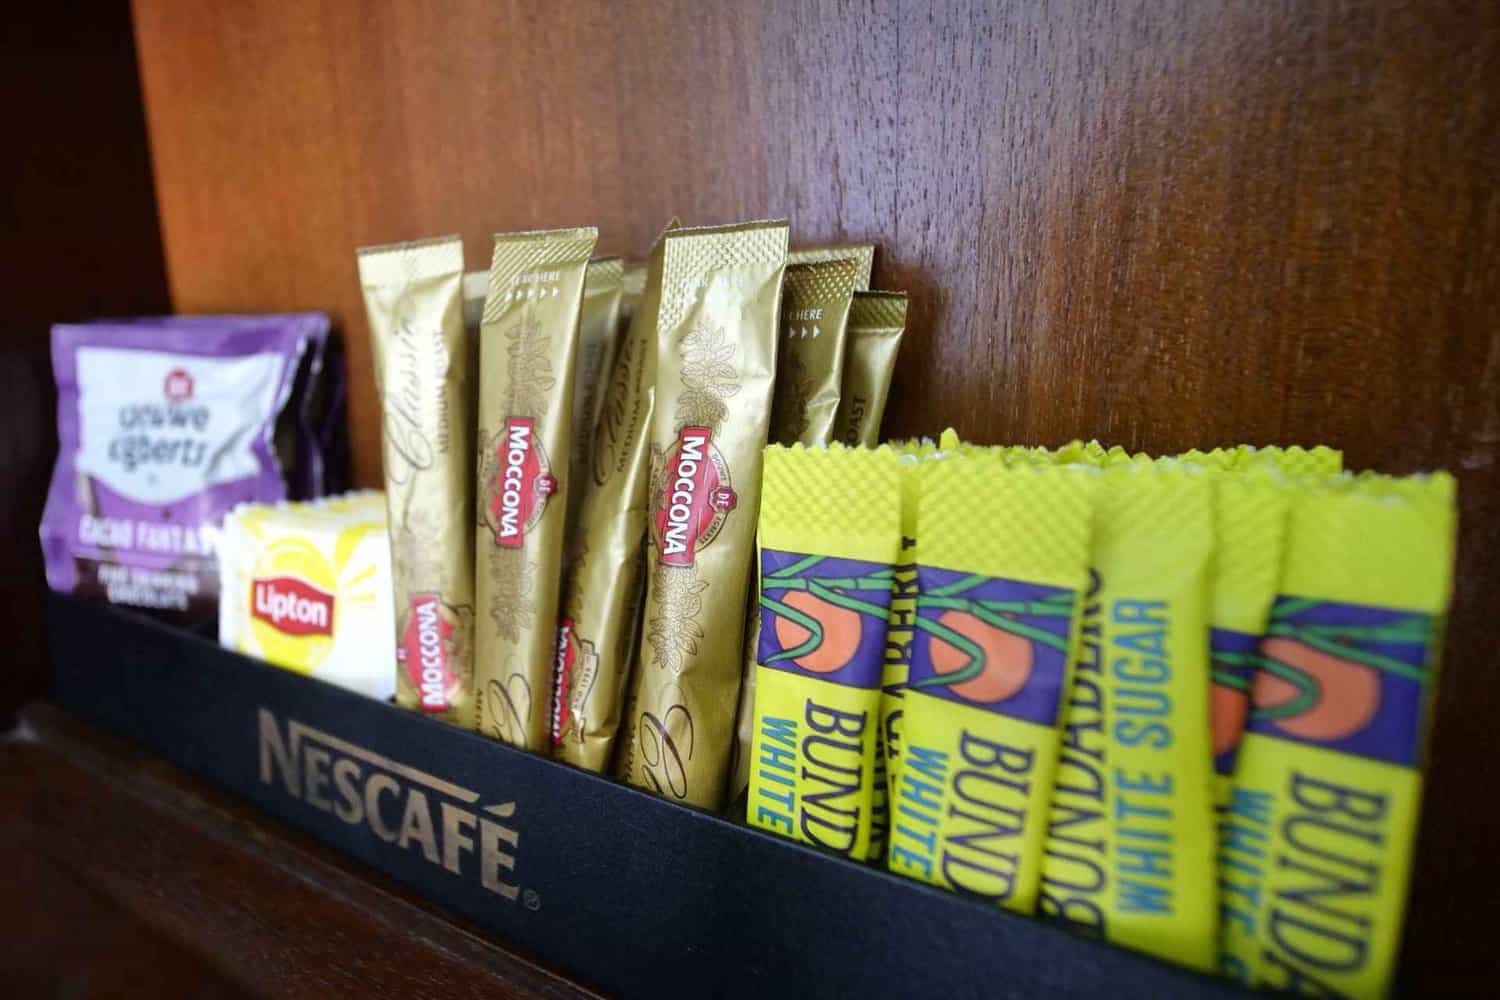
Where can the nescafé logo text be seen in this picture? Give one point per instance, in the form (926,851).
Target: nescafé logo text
(411,810)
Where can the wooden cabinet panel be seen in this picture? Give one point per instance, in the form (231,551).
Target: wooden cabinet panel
(1161,224)
(78,240)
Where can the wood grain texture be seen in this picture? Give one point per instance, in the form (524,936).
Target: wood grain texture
(279,915)
(62,938)
(1163,224)
(78,240)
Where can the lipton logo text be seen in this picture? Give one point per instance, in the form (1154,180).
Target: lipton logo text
(292,606)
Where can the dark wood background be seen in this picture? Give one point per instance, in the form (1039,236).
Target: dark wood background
(78,239)
(1160,224)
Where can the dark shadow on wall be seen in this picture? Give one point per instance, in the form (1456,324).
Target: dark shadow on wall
(80,239)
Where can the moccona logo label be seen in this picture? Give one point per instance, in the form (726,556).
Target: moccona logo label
(520,483)
(445,824)
(694,499)
(426,651)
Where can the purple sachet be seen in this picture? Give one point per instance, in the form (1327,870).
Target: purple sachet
(163,426)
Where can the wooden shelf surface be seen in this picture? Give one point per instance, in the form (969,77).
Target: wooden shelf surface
(236,903)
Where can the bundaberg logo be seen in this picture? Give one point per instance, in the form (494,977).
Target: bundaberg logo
(522,483)
(444,824)
(694,499)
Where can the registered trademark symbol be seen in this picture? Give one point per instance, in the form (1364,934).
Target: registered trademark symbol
(531,900)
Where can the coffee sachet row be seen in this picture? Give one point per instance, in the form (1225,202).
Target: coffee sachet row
(615,474)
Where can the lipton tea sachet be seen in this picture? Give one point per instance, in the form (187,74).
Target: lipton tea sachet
(164,425)
(308,587)
(1002,569)
(876,322)
(528,349)
(414,302)
(828,541)
(716,360)
(1323,816)
(601,607)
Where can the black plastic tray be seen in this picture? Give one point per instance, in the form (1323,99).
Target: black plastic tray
(627,893)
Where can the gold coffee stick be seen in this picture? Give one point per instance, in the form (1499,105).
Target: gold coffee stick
(716,362)
(598,335)
(528,349)
(632,287)
(598,328)
(596,637)
(864,253)
(413,298)
(876,322)
(815,300)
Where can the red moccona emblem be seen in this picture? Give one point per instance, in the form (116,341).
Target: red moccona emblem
(178,386)
(694,499)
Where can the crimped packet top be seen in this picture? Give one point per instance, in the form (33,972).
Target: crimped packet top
(307,587)
(1322,821)
(828,538)
(1002,567)
(862,253)
(1294,462)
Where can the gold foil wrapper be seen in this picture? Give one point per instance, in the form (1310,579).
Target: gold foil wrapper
(528,350)
(632,287)
(876,322)
(815,300)
(598,338)
(716,363)
(596,638)
(863,253)
(423,376)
